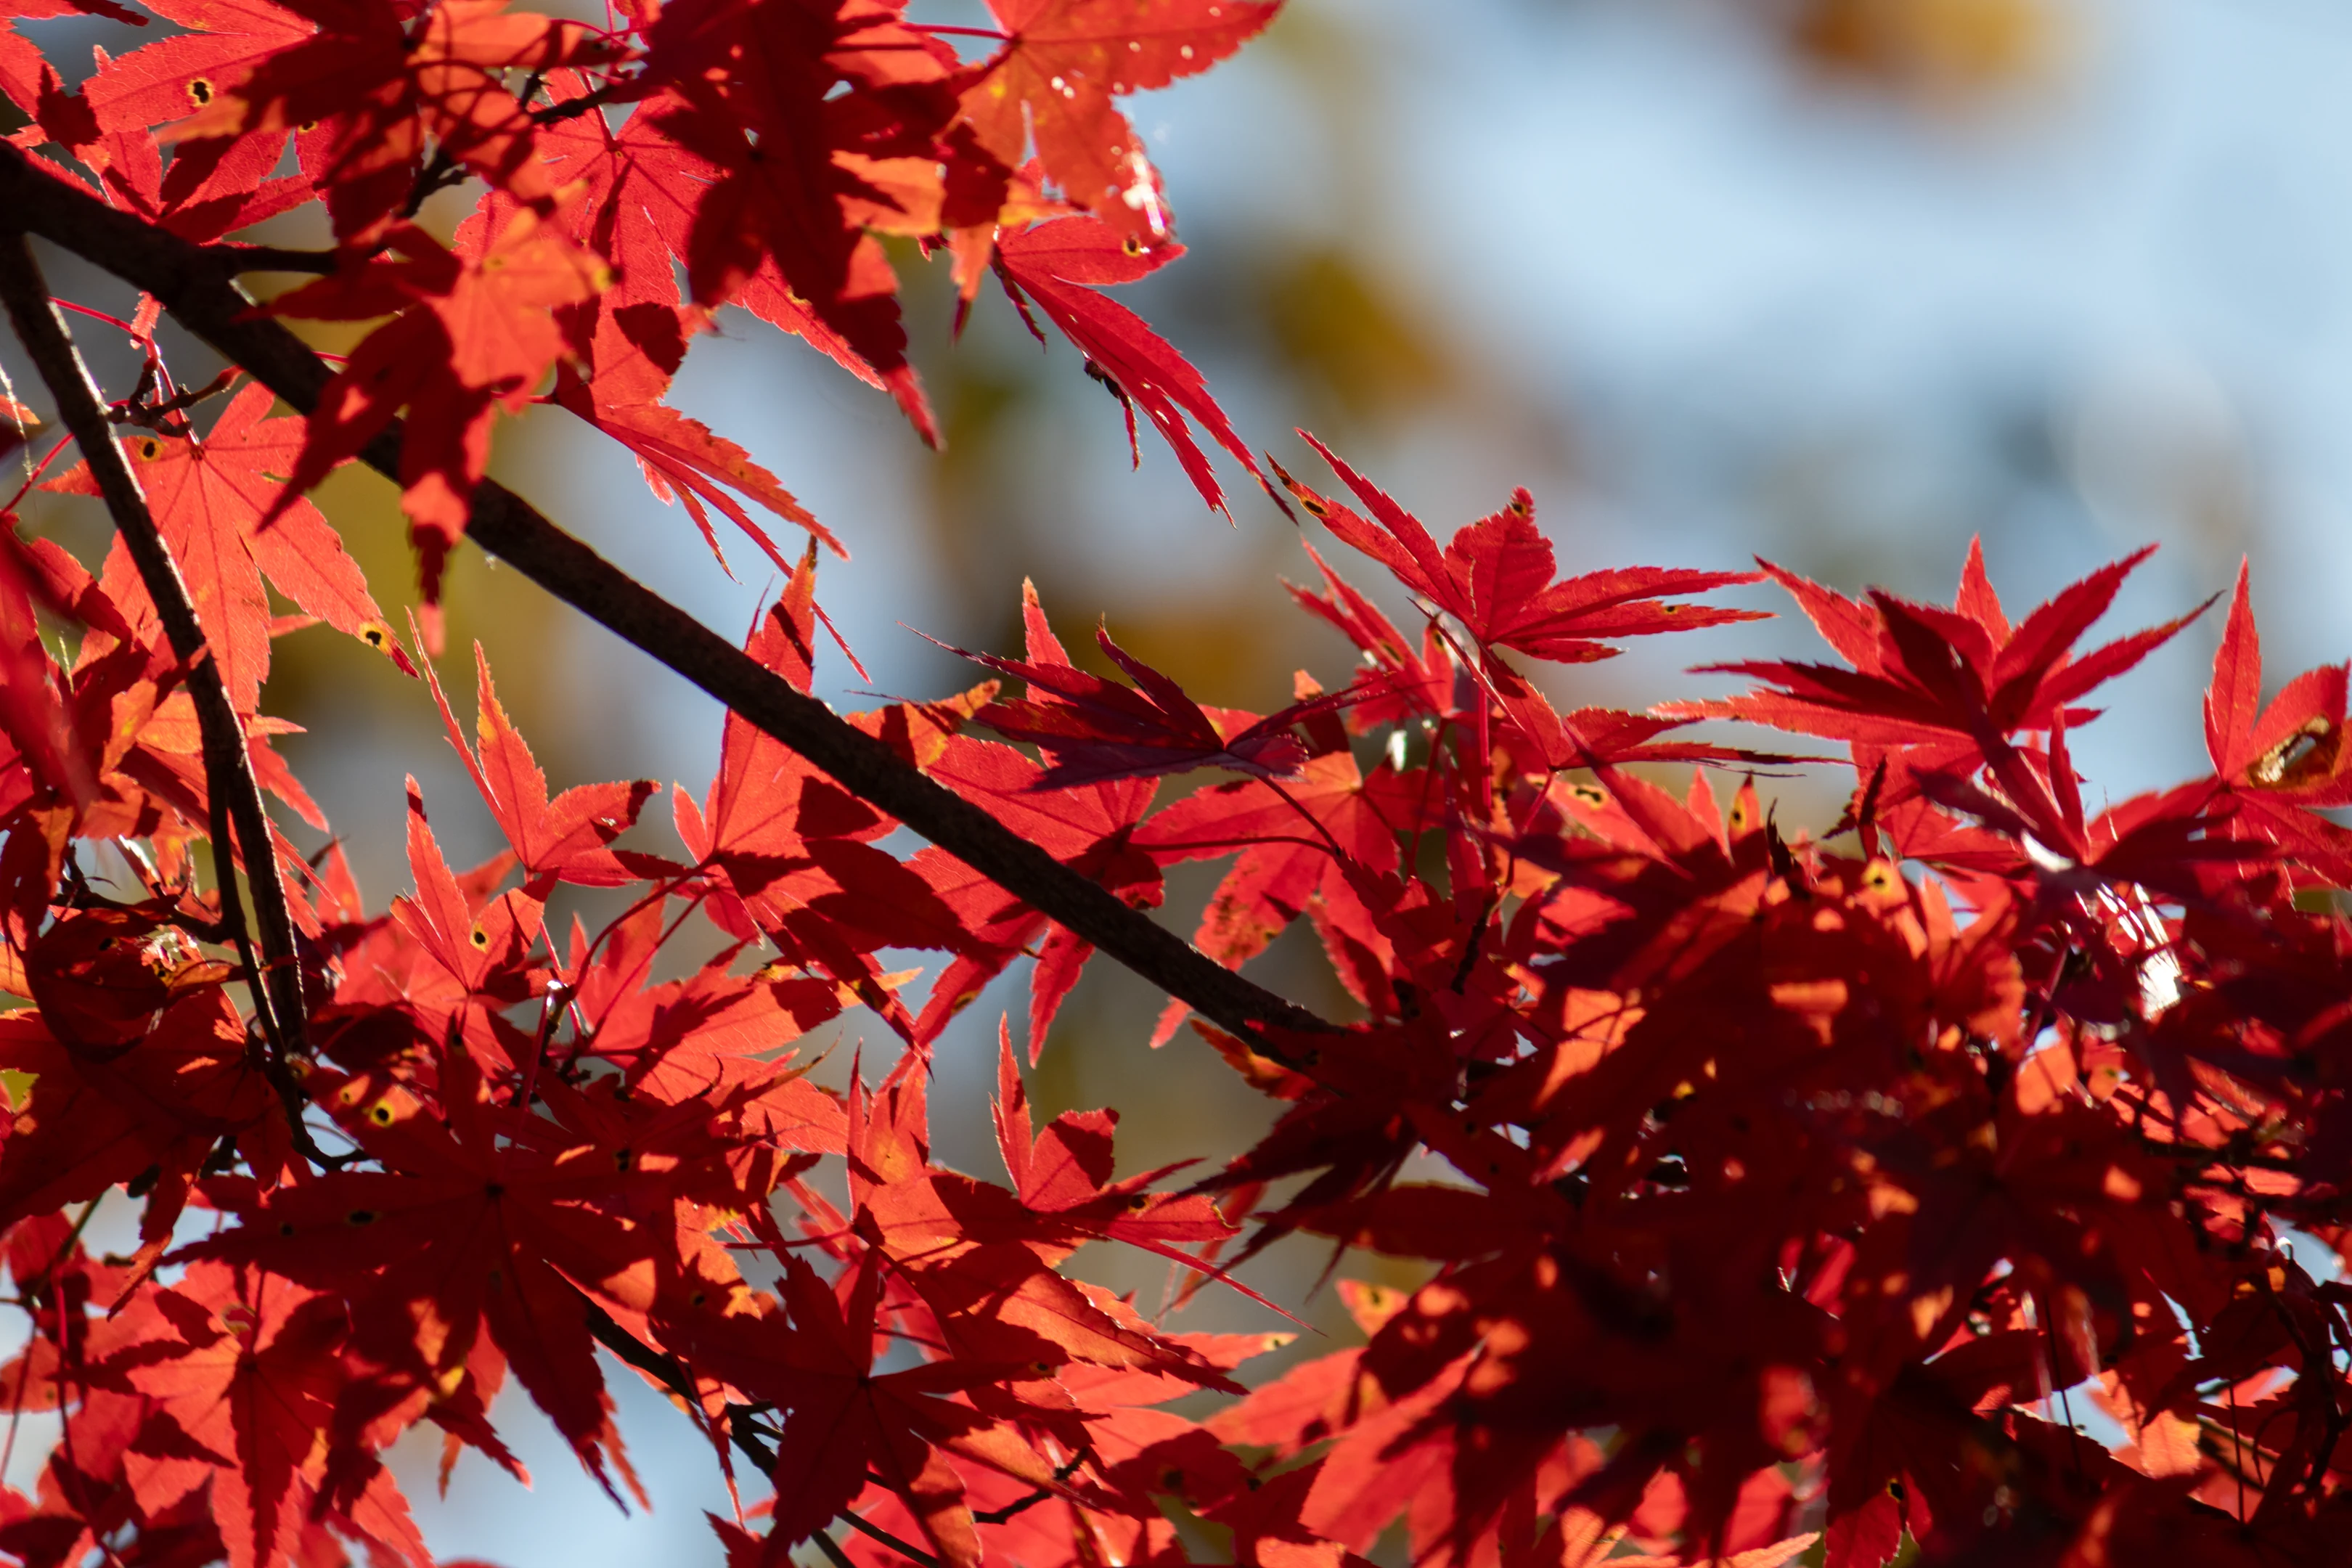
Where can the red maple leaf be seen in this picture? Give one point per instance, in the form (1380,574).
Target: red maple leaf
(1087,827)
(369,88)
(225,41)
(1054,80)
(23,74)
(567,840)
(980,1261)
(2284,763)
(813,1356)
(472,332)
(483,1221)
(639,193)
(1054,265)
(243,1368)
(164,1102)
(1084,825)
(1300,845)
(782,103)
(636,350)
(1065,1173)
(1496,576)
(1944,691)
(210,497)
(1096,730)
(706,1035)
(790,854)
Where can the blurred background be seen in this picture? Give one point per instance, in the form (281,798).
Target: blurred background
(1841,282)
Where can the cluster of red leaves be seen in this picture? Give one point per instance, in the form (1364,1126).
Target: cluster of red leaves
(1774,1194)
(762,147)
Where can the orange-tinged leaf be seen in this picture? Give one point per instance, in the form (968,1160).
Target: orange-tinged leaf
(1055,82)
(473,332)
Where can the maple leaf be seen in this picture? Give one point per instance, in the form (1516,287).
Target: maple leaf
(220,184)
(467,1232)
(759,100)
(1087,826)
(568,840)
(980,1260)
(472,332)
(639,194)
(244,1369)
(1419,681)
(1952,687)
(36,724)
(1096,730)
(170,79)
(1054,266)
(636,350)
(1496,576)
(1056,77)
(1133,1454)
(697,1036)
(212,188)
(636,196)
(25,76)
(2284,763)
(377,87)
(791,854)
(476,947)
(165,1103)
(843,1421)
(1064,1171)
(1922,675)
(1296,845)
(210,497)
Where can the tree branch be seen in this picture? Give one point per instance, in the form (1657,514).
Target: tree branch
(239,820)
(276,258)
(881,1537)
(195,286)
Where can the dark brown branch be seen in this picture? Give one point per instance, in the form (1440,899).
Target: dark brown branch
(194,285)
(882,1537)
(239,818)
(276,258)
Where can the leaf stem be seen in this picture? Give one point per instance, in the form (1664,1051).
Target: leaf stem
(95,315)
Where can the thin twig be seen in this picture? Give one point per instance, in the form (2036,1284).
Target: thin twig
(832,1550)
(1019,1505)
(572,108)
(277,983)
(193,284)
(161,416)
